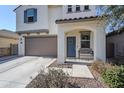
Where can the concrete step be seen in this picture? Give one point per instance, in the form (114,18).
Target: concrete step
(79,61)
(86,57)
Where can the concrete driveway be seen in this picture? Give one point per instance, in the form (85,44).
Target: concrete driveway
(18,72)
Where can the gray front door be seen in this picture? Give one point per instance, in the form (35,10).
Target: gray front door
(71,46)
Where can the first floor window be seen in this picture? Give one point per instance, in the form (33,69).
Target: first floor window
(85,39)
(85,44)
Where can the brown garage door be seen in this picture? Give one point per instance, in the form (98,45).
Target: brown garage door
(41,46)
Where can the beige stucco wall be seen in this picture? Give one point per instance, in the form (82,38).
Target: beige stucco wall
(54,13)
(5,42)
(42,18)
(8,37)
(83,13)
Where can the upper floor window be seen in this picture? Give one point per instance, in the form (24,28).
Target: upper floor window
(30,15)
(86,7)
(78,8)
(69,8)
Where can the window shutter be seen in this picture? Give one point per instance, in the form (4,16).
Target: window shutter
(25,16)
(35,15)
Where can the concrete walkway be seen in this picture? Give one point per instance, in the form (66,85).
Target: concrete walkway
(17,73)
(81,71)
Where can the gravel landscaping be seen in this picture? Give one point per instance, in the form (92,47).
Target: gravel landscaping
(98,78)
(65,65)
(79,82)
(87,83)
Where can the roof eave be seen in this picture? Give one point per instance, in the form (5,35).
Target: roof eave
(33,31)
(17,8)
(72,21)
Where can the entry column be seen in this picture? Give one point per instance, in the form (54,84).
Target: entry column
(61,46)
(21,45)
(100,44)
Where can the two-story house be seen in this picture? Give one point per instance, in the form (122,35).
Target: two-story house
(63,31)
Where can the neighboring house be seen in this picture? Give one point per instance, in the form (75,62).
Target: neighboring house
(64,31)
(7,39)
(115,44)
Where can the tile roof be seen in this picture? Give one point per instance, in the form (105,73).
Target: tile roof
(76,19)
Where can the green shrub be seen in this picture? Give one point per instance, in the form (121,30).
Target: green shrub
(114,76)
(98,66)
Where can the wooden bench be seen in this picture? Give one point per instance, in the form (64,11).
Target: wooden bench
(86,53)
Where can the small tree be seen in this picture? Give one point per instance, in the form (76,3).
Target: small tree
(114,15)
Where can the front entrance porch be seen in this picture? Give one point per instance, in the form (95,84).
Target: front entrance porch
(79,47)
(81,41)
(79,44)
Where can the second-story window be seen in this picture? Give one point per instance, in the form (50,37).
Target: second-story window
(78,8)
(69,8)
(30,15)
(86,7)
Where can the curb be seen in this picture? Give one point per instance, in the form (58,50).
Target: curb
(53,60)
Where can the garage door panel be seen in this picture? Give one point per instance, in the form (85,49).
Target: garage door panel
(41,46)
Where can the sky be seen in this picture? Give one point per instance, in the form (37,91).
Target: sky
(7,17)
